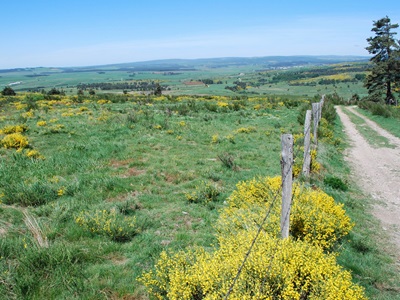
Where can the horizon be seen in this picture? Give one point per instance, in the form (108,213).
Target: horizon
(91,33)
(357,57)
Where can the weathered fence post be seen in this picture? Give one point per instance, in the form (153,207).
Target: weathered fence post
(287,179)
(315,115)
(322,102)
(307,142)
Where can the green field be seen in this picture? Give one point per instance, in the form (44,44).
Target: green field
(306,76)
(92,192)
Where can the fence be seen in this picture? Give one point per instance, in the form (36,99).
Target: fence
(287,161)
(287,143)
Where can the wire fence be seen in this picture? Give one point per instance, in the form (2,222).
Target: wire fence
(285,189)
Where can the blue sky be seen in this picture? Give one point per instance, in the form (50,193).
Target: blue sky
(92,32)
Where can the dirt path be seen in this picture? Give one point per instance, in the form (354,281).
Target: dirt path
(377,171)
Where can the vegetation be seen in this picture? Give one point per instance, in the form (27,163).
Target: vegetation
(101,189)
(8,91)
(386,65)
(231,77)
(161,179)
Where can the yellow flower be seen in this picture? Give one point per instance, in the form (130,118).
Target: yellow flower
(41,123)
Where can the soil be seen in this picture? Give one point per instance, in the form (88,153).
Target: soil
(376,169)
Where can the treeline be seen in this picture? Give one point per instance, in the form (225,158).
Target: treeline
(315,73)
(138,85)
(210,81)
(239,86)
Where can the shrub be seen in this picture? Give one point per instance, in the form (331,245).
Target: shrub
(108,223)
(8,91)
(205,193)
(275,269)
(246,129)
(14,129)
(41,123)
(315,218)
(228,161)
(380,110)
(15,140)
(336,183)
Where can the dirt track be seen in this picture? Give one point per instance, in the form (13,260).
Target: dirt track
(377,171)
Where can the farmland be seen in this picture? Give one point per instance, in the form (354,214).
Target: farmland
(305,76)
(95,186)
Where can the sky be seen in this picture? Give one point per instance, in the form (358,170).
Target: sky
(61,33)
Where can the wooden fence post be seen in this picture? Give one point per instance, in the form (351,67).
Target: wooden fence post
(287,179)
(315,115)
(322,101)
(307,142)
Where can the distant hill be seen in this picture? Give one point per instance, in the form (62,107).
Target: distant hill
(207,63)
(222,62)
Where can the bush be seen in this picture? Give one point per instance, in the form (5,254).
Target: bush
(335,183)
(8,91)
(205,193)
(275,269)
(315,218)
(108,223)
(15,140)
(14,129)
(377,109)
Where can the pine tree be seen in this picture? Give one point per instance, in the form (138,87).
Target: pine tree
(385,71)
(7,91)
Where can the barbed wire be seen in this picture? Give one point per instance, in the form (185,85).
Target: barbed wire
(260,226)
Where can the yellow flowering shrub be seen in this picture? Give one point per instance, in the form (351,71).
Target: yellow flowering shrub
(20,106)
(314,217)
(257,107)
(103,101)
(324,130)
(15,140)
(222,104)
(315,166)
(34,154)
(28,114)
(215,139)
(246,129)
(275,269)
(230,138)
(14,129)
(41,123)
(109,223)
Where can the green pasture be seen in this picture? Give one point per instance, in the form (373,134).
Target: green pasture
(255,78)
(105,183)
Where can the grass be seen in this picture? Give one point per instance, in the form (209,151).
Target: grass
(373,138)
(390,124)
(122,160)
(138,159)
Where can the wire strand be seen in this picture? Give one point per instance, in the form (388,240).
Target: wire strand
(260,228)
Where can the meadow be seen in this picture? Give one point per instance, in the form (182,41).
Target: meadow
(305,76)
(95,188)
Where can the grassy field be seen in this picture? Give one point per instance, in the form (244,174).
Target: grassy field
(92,192)
(239,79)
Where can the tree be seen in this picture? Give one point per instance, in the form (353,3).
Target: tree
(158,90)
(7,91)
(385,71)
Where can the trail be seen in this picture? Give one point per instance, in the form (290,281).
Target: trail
(376,169)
